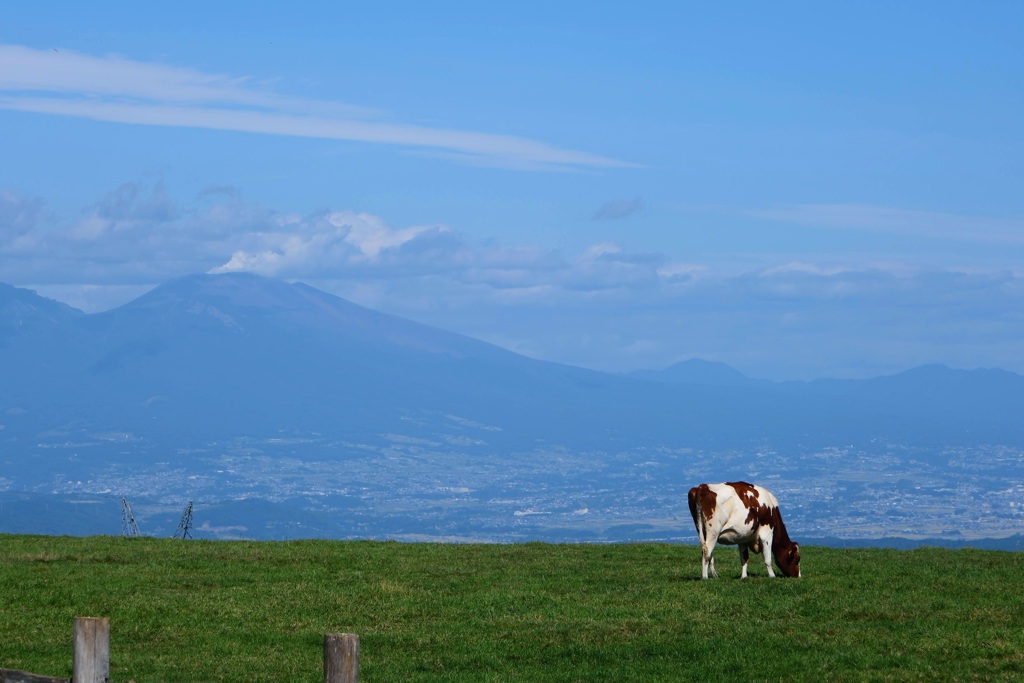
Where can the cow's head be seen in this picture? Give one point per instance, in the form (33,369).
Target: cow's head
(789,560)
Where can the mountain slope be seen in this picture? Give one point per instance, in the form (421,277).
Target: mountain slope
(40,340)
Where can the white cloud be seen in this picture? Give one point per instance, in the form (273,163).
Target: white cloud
(130,206)
(683,273)
(19,215)
(370,235)
(804,268)
(119,90)
(343,244)
(606,306)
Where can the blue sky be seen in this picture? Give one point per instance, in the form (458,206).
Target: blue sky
(799,191)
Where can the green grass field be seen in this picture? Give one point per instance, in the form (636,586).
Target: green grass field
(195,611)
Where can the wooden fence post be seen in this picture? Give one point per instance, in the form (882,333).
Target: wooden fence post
(341,658)
(92,650)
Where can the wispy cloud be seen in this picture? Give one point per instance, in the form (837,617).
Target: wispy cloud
(618,208)
(870,218)
(120,90)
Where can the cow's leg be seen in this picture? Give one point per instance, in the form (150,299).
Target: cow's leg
(707,558)
(744,558)
(766,550)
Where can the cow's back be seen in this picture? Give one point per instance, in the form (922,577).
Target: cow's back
(724,511)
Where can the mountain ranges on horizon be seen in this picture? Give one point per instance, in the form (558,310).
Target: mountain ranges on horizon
(240,354)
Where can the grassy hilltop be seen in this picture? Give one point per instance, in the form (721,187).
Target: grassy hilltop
(257,611)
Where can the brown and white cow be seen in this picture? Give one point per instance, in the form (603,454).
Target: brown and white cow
(738,513)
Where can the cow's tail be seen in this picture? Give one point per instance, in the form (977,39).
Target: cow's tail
(697,513)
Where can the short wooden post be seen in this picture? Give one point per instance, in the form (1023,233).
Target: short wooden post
(92,650)
(341,658)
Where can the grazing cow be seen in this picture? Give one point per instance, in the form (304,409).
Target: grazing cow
(738,513)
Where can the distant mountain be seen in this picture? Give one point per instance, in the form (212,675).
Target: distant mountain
(242,354)
(26,315)
(933,397)
(39,342)
(218,356)
(697,371)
